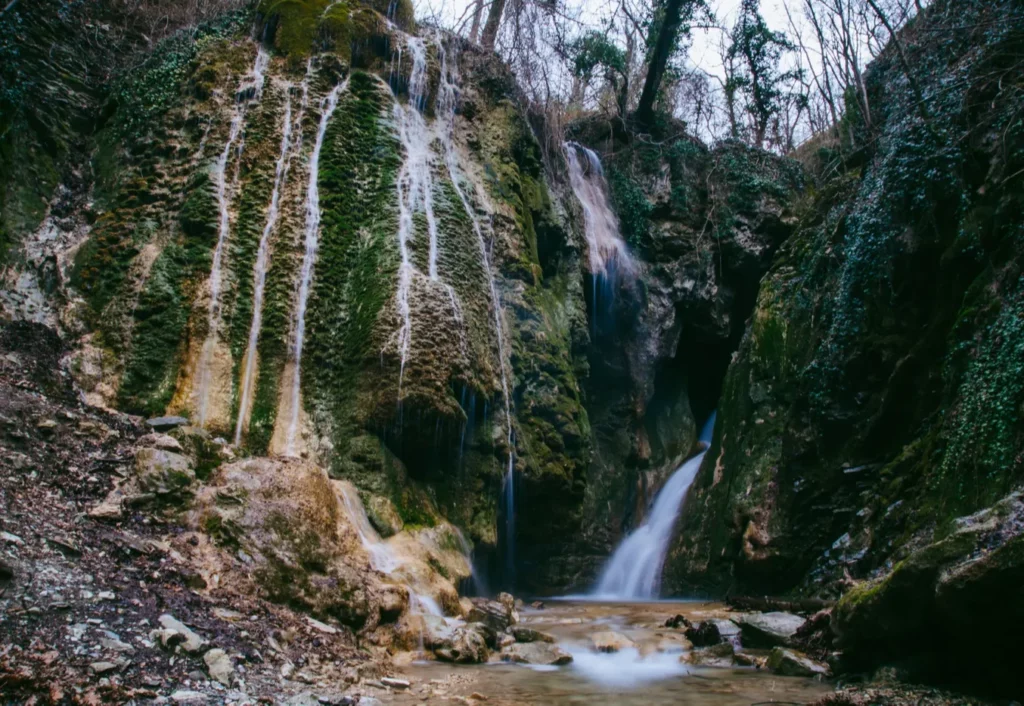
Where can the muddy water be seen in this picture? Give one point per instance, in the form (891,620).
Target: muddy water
(654,673)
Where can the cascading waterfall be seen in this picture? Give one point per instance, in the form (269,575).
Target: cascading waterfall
(382,557)
(263,253)
(634,570)
(252,83)
(445,110)
(415,187)
(312,242)
(607,251)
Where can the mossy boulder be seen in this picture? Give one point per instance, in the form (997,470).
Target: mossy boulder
(922,612)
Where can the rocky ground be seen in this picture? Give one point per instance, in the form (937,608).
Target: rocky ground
(103,610)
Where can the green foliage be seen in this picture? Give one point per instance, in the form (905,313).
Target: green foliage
(594,50)
(632,207)
(984,427)
(303,26)
(148,90)
(760,51)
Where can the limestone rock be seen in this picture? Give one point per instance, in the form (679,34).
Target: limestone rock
(468,645)
(790,663)
(494,613)
(542,653)
(768,629)
(220,666)
(525,634)
(163,473)
(177,633)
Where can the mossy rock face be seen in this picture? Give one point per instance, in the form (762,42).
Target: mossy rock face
(921,612)
(871,401)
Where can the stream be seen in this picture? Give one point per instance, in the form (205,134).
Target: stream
(652,673)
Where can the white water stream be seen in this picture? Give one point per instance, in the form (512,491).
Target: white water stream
(445,110)
(634,570)
(254,82)
(312,242)
(382,557)
(262,261)
(606,250)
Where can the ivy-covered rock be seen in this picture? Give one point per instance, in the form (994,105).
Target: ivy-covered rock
(876,394)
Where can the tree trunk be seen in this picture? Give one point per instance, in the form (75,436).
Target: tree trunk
(660,54)
(493,24)
(478,11)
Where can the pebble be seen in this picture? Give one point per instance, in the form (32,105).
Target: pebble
(184,696)
(102,667)
(12,539)
(396,683)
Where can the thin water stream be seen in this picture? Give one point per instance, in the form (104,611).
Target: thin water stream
(655,672)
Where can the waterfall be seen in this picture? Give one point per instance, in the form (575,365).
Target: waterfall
(253,83)
(382,557)
(634,570)
(312,241)
(445,110)
(263,253)
(606,250)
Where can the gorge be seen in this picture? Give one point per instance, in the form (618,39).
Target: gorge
(336,369)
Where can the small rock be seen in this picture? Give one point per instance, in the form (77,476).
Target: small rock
(704,635)
(102,667)
(184,696)
(190,641)
(12,539)
(6,571)
(228,614)
(536,605)
(678,621)
(65,546)
(610,641)
(322,627)
(115,645)
(790,663)
(536,653)
(477,696)
(166,424)
(47,425)
(220,666)
(768,629)
(745,659)
(161,441)
(395,683)
(525,634)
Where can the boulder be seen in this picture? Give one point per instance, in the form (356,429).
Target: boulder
(542,653)
(163,473)
(467,645)
(610,641)
(525,634)
(768,629)
(790,663)
(704,635)
(493,613)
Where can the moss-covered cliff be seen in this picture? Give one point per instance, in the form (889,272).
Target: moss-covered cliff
(877,395)
(171,259)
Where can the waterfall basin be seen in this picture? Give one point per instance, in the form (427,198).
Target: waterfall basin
(653,671)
